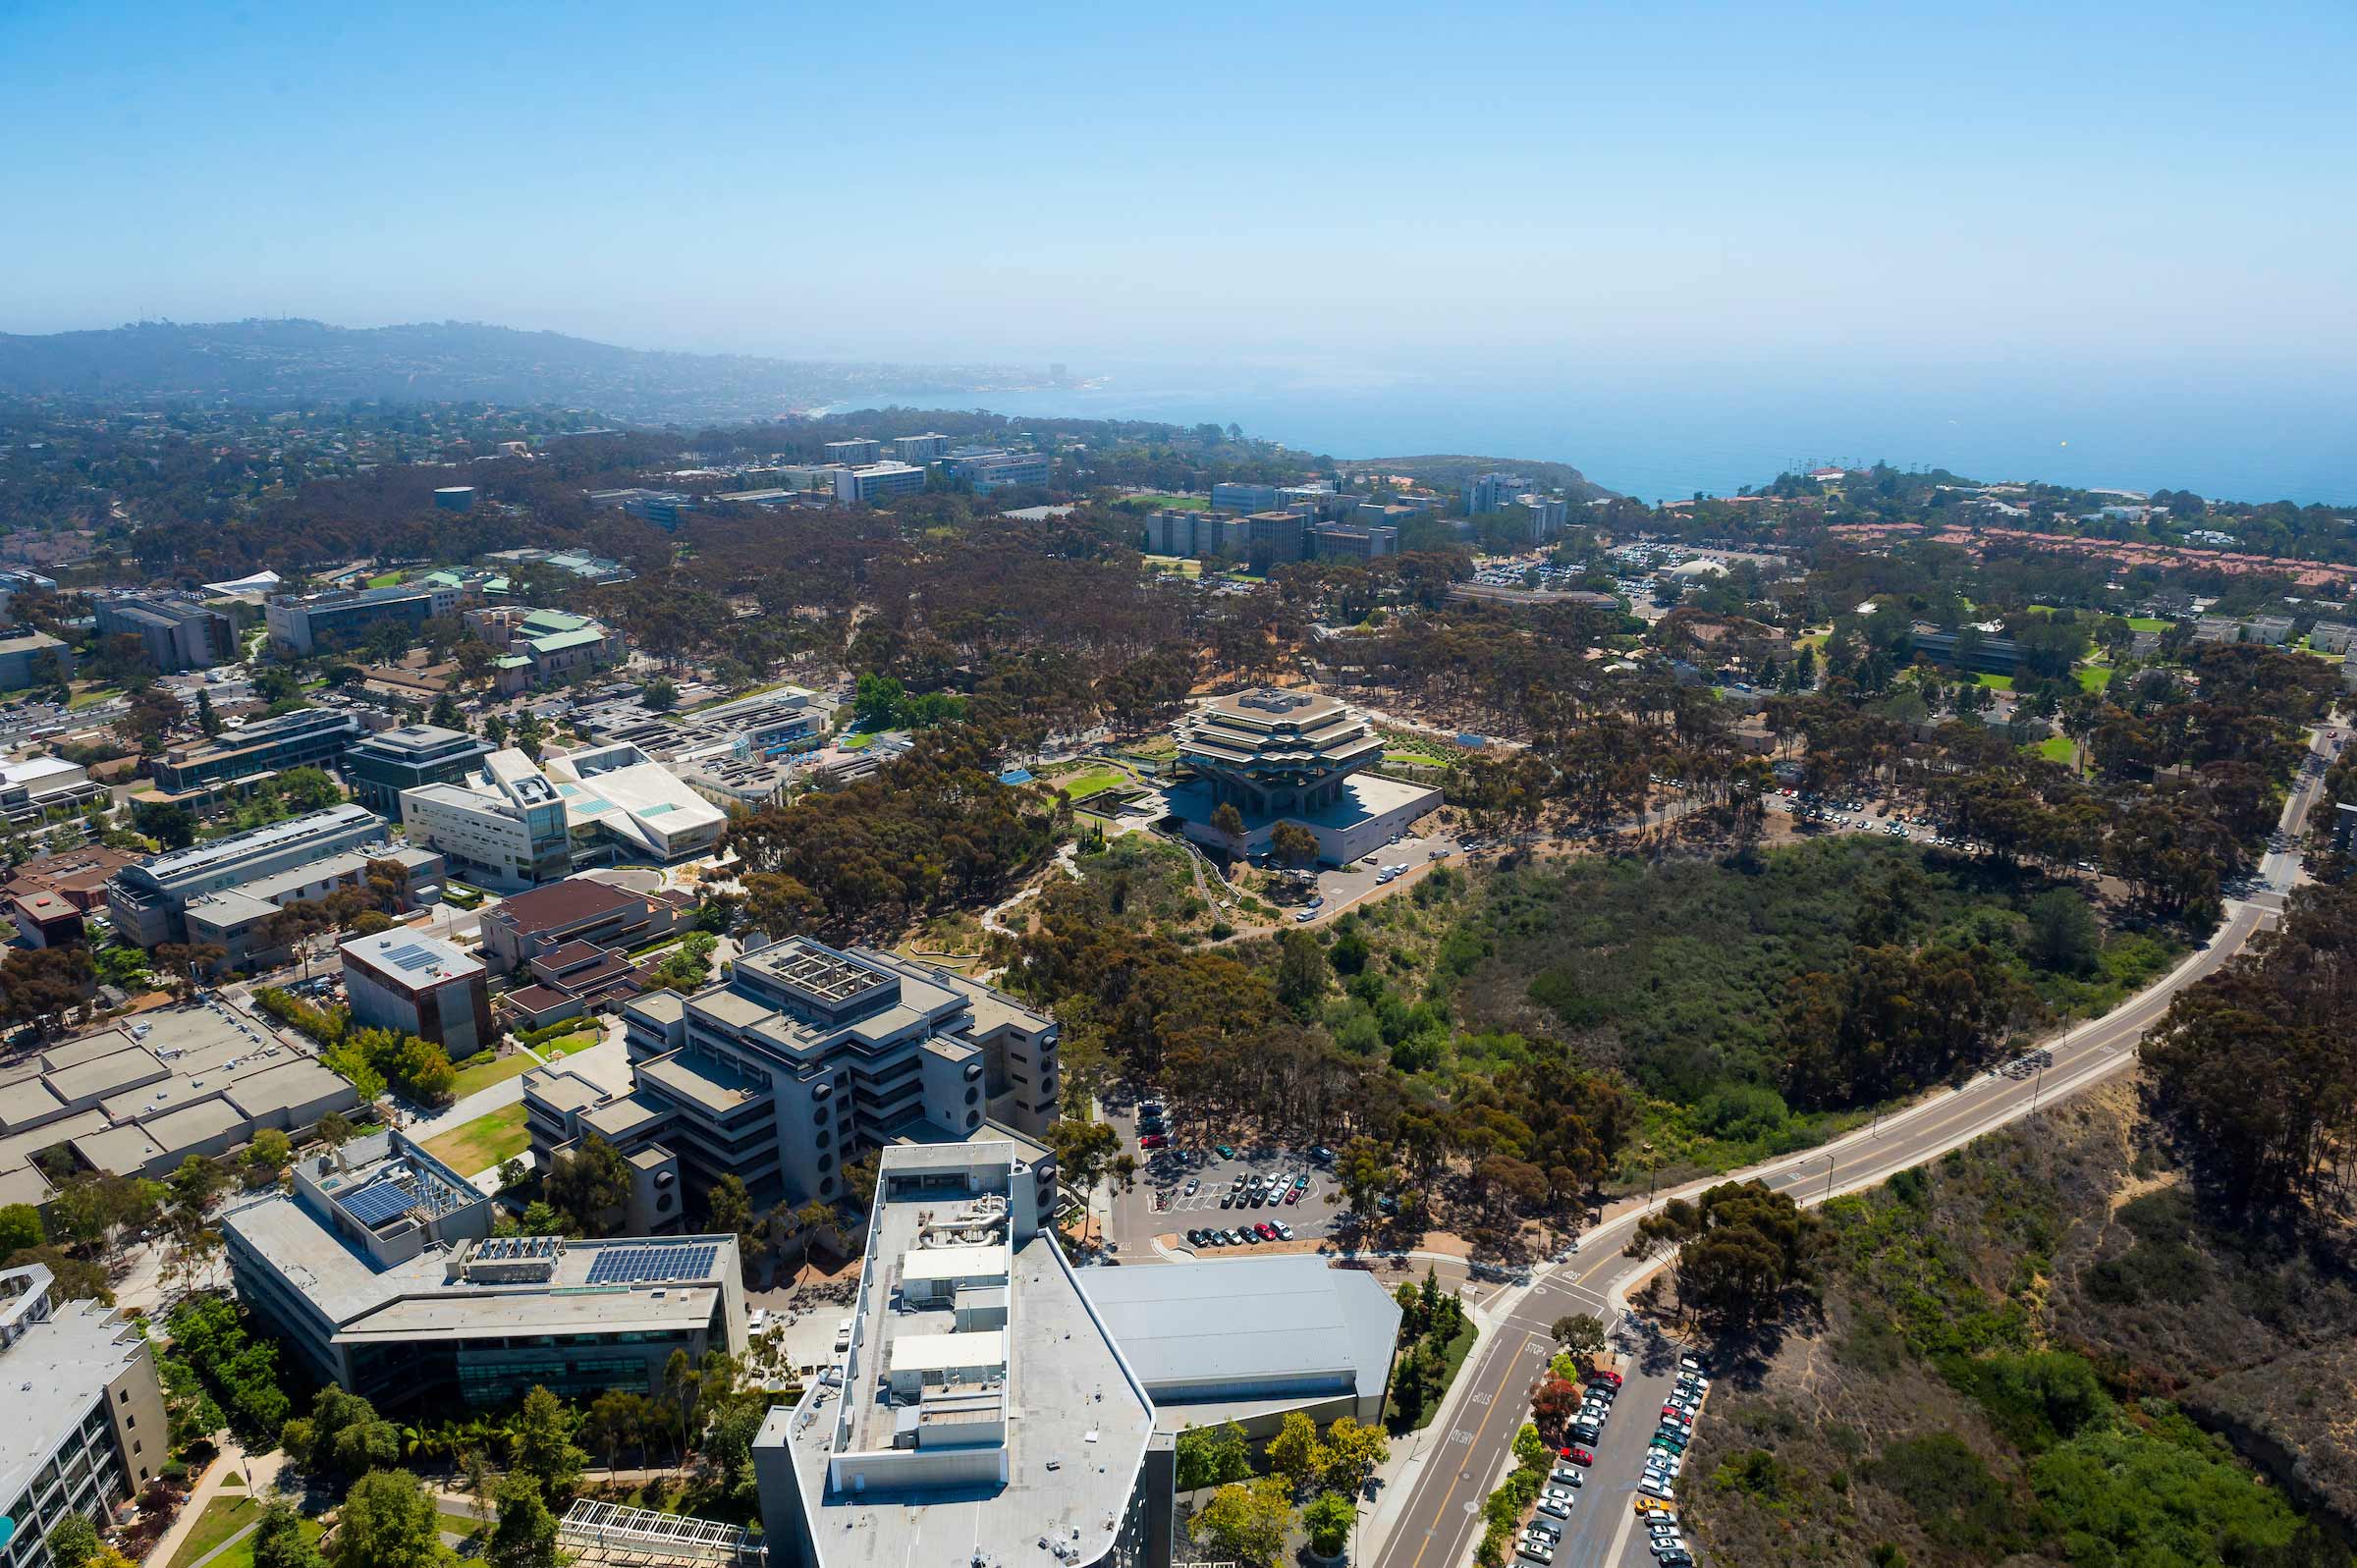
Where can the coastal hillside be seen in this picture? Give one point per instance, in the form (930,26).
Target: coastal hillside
(1447,470)
(295,362)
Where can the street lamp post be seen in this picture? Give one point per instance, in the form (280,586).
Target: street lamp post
(2037,1083)
(1829,1178)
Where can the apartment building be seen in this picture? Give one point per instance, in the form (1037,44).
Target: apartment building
(379,1273)
(877,481)
(853,453)
(85,1426)
(996,470)
(178,632)
(146,901)
(804,1056)
(419,985)
(310,622)
(377,768)
(1492,492)
(308,737)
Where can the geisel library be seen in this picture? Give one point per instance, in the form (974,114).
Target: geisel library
(1291,756)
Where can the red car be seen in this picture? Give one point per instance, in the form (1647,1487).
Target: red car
(1612,1378)
(1295,1196)
(1267,1231)
(1152,1140)
(1579,1455)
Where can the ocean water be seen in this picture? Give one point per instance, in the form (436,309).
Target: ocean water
(1661,435)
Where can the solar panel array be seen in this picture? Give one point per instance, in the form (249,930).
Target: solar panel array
(379,1202)
(629,1265)
(410,957)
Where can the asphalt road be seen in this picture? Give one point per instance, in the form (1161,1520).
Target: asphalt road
(1439,1521)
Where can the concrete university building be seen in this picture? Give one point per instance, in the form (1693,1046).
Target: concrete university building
(419,985)
(85,1425)
(1037,1407)
(379,1272)
(803,1057)
(1290,756)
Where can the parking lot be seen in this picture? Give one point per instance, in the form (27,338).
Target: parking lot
(1340,888)
(1183,1189)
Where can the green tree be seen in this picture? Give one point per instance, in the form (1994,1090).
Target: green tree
(589,1185)
(526,1536)
(387,1521)
(1228,824)
(1084,1151)
(72,1541)
(1581,1333)
(19,1227)
(2064,936)
(1292,844)
(1301,973)
(1245,1522)
(206,720)
(1295,1453)
(171,826)
(1212,1456)
(661,693)
(542,1443)
(1355,1452)
(1328,1520)
(282,1541)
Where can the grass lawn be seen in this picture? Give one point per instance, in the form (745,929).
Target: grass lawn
(1184,566)
(567,1045)
(1083,782)
(2058,748)
(1170,502)
(484,1142)
(92,697)
(2094,678)
(222,1518)
(498,1070)
(241,1555)
(858,742)
(1998,682)
(385,579)
(2148,623)
(458,1524)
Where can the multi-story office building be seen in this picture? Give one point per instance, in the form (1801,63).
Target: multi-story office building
(238,920)
(662,508)
(996,470)
(455,497)
(543,647)
(502,826)
(418,984)
(33,788)
(921,449)
(1352,541)
(379,1273)
(513,825)
(1267,538)
(1548,514)
(308,737)
(877,481)
(853,453)
(178,632)
(803,1057)
(520,928)
(146,901)
(86,1427)
(310,622)
(379,767)
(1492,492)
(1233,495)
(29,658)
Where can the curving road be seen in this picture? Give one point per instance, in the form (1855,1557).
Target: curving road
(1435,1521)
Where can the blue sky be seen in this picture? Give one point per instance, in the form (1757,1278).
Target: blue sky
(2145,185)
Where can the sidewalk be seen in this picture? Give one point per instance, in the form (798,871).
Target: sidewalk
(263,1472)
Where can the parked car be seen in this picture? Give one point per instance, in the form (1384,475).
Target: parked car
(1577,1454)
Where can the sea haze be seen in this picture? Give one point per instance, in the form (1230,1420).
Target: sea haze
(1664,434)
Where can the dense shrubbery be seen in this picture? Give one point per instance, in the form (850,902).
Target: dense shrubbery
(373,1060)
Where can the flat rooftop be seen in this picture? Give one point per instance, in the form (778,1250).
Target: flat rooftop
(1213,1325)
(1077,1424)
(55,1374)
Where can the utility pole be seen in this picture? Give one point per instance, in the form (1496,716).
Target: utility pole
(2037,1083)
(1829,1178)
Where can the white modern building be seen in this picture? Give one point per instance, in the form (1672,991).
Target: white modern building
(872,482)
(513,825)
(1290,756)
